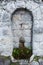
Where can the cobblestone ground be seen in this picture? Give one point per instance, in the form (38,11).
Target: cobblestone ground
(7,62)
(4,62)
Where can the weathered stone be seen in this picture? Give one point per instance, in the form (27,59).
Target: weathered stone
(27,33)
(38,37)
(3,61)
(38,26)
(8,27)
(7,62)
(37,14)
(19,4)
(5,31)
(41,61)
(23,62)
(17,33)
(27,39)
(38,31)
(31,58)
(32,6)
(34,63)
(35,46)
(15,39)
(6,46)
(41,45)
(10,7)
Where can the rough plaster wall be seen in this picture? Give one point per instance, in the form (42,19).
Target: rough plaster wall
(6,38)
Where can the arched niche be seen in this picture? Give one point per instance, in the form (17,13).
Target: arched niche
(22,25)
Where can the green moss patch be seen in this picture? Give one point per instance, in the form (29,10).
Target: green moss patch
(36,58)
(22,53)
(16,63)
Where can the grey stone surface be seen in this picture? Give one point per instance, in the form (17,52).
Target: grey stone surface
(4,62)
(41,61)
(8,28)
(1,62)
(7,62)
(34,63)
(24,62)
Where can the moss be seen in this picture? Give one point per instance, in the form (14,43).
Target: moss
(16,63)
(21,53)
(36,58)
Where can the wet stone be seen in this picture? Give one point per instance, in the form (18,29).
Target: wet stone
(24,62)
(1,63)
(40,61)
(34,63)
(7,62)
(39,30)
(4,62)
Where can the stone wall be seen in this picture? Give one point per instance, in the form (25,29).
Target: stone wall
(6,35)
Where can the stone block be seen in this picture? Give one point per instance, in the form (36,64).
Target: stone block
(27,33)
(34,5)
(38,37)
(36,46)
(10,7)
(7,62)
(37,14)
(41,6)
(30,6)
(19,4)
(6,19)
(15,26)
(5,31)
(41,61)
(17,33)
(16,45)
(38,24)
(28,45)
(41,45)
(16,39)
(27,39)
(6,45)
(27,26)
(37,50)
(38,31)
(34,63)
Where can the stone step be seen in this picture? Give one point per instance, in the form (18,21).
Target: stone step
(4,61)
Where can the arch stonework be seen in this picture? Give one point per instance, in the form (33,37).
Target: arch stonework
(7,40)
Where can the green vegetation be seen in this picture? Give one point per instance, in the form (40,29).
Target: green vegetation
(36,58)
(16,63)
(22,53)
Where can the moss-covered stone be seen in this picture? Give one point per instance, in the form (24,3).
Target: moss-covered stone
(16,63)
(36,58)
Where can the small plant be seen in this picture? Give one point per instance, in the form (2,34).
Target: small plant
(16,63)
(36,58)
(22,53)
